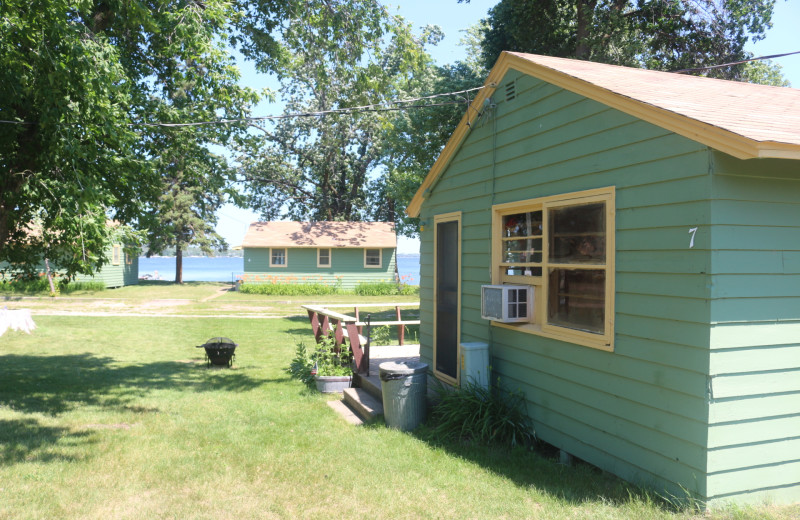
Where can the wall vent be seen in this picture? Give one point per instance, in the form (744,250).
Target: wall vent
(511,90)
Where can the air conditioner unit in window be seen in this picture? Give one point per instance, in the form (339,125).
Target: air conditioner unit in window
(507,303)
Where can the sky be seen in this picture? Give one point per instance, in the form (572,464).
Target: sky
(453,18)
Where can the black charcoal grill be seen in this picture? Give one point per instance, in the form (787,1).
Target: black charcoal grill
(219,351)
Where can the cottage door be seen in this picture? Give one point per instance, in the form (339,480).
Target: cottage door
(447,287)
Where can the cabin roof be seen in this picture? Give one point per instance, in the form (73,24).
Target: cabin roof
(742,119)
(321,234)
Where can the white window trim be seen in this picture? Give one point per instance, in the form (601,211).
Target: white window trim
(539,326)
(330,254)
(285,257)
(380,258)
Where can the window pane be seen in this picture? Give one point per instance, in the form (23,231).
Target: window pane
(373,257)
(526,250)
(278,257)
(578,234)
(324,257)
(523,270)
(523,224)
(577,299)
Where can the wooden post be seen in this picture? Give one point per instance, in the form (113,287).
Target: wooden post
(338,336)
(366,347)
(360,329)
(315,327)
(401,330)
(355,348)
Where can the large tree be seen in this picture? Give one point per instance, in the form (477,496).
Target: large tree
(80,81)
(655,34)
(319,167)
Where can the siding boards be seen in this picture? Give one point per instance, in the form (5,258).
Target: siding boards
(641,410)
(347,265)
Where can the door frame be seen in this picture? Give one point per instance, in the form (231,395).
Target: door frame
(454,216)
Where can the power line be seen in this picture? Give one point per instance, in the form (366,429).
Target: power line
(698,69)
(403,104)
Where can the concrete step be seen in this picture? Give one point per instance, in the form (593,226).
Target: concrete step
(363,403)
(371,384)
(347,413)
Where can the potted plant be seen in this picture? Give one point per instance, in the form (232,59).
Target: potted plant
(329,369)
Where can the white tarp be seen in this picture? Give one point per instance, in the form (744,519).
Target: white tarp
(19,319)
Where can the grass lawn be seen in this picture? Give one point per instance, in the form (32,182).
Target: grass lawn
(118,417)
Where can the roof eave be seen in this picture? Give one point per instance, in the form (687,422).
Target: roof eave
(714,137)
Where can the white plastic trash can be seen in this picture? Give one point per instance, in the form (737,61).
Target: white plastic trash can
(404,386)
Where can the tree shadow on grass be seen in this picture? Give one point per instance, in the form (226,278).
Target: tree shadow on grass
(26,440)
(53,385)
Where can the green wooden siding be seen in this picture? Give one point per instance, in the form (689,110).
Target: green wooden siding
(754,376)
(347,265)
(641,411)
(115,275)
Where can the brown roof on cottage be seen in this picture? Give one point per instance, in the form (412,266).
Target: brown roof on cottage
(321,234)
(741,119)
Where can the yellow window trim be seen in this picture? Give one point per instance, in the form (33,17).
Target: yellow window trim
(330,260)
(380,258)
(285,257)
(116,253)
(539,326)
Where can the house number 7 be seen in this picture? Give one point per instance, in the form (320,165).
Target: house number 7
(692,232)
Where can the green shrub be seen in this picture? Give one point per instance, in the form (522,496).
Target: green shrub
(323,361)
(376,289)
(289,289)
(40,285)
(476,414)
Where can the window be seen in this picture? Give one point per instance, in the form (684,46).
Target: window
(564,246)
(115,254)
(372,258)
(128,259)
(323,257)
(277,257)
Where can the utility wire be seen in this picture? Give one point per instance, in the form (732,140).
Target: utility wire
(698,69)
(403,104)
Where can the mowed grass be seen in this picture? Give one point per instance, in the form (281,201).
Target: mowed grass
(120,418)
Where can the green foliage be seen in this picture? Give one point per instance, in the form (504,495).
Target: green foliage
(339,54)
(655,34)
(40,285)
(375,289)
(325,360)
(380,335)
(479,415)
(289,289)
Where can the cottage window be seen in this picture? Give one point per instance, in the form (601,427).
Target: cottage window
(324,257)
(128,259)
(277,257)
(115,254)
(564,247)
(372,258)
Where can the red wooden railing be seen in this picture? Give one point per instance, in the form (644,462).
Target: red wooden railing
(325,321)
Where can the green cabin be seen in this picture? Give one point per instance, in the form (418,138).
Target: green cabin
(342,254)
(641,231)
(121,270)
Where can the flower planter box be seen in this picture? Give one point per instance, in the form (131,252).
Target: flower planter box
(332,384)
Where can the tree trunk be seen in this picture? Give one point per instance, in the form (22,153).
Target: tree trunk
(178,264)
(585,16)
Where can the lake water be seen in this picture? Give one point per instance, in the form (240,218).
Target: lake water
(224,269)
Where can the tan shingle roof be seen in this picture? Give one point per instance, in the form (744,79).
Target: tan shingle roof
(321,234)
(758,112)
(744,120)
